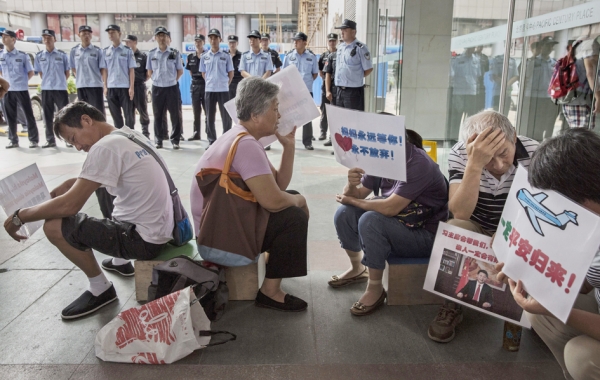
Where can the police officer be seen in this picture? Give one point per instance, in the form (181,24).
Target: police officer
(323,62)
(353,65)
(54,69)
(235,60)
(15,67)
(217,68)
(140,103)
(87,62)
(198,85)
(265,38)
(119,78)
(255,62)
(306,63)
(165,68)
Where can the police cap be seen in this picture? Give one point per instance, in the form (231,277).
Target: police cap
(113,27)
(347,24)
(232,38)
(214,32)
(548,40)
(130,37)
(265,36)
(48,32)
(85,28)
(160,29)
(332,36)
(199,37)
(254,33)
(300,36)
(10,33)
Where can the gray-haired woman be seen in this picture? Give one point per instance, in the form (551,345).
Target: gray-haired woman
(286,233)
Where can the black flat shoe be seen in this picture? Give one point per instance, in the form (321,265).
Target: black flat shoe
(49,144)
(290,303)
(126,270)
(193,138)
(12,145)
(309,147)
(87,303)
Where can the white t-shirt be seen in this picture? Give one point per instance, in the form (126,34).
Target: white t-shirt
(130,173)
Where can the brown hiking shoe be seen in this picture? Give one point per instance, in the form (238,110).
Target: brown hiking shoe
(442,328)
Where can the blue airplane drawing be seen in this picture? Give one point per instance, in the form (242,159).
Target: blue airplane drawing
(536,211)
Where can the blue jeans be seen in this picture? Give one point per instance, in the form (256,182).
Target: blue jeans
(380,237)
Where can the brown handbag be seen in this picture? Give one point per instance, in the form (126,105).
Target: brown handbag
(233,223)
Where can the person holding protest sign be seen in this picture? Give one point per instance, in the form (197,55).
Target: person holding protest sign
(576,344)
(401,223)
(481,169)
(142,221)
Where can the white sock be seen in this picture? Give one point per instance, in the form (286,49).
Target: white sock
(99,284)
(117,261)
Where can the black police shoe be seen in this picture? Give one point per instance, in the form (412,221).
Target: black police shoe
(126,270)
(175,146)
(309,147)
(12,145)
(327,143)
(313,138)
(290,303)
(87,303)
(323,136)
(49,144)
(33,144)
(158,146)
(194,137)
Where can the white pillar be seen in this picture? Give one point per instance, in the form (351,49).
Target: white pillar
(39,22)
(106,19)
(175,27)
(242,28)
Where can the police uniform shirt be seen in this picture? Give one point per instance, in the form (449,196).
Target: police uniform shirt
(306,64)
(275,58)
(496,69)
(353,60)
(193,65)
(329,67)
(52,65)
(322,62)
(87,62)
(118,62)
(164,66)
(542,75)
(465,72)
(256,64)
(235,60)
(14,66)
(216,67)
(140,67)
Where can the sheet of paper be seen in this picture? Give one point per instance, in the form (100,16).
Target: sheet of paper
(462,269)
(548,242)
(373,142)
(24,188)
(296,105)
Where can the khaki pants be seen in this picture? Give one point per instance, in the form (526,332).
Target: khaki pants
(577,354)
(469,225)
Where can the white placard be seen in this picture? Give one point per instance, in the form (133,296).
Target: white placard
(296,105)
(548,242)
(373,142)
(24,188)
(457,258)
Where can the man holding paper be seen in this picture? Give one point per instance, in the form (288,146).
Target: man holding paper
(481,169)
(576,344)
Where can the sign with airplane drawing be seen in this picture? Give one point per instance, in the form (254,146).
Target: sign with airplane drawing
(535,241)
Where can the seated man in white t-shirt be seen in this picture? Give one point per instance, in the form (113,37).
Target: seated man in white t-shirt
(142,219)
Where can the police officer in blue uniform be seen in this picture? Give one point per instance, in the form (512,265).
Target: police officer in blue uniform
(54,68)
(256,62)
(87,62)
(140,103)
(265,39)
(217,68)
(165,67)
(119,79)
(198,86)
(235,55)
(353,65)
(306,63)
(15,67)
(324,61)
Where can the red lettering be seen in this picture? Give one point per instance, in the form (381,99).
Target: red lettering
(524,248)
(539,260)
(556,273)
(513,239)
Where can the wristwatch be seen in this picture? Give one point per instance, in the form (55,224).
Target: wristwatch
(15,219)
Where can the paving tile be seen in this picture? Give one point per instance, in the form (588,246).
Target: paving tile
(327,255)
(17,292)
(46,372)
(42,255)
(390,335)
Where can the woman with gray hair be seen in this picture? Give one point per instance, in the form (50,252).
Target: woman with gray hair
(286,233)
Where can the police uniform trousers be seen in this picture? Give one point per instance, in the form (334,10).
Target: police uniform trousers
(211,99)
(93,96)
(140,103)
(350,97)
(233,90)
(50,99)
(197,92)
(307,132)
(166,99)
(11,101)
(166,124)
(324,125)
(118,98)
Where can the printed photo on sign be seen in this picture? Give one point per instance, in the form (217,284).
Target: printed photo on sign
(296,105)
(373,142)
(535,241)
(462,270)
(24,188)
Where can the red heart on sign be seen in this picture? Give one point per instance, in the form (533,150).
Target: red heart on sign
(344,142)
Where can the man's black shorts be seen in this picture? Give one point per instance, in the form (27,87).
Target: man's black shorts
(111,237)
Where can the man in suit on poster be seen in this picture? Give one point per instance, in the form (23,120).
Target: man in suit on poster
(477,292)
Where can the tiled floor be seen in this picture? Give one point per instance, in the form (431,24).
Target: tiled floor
(325,342)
